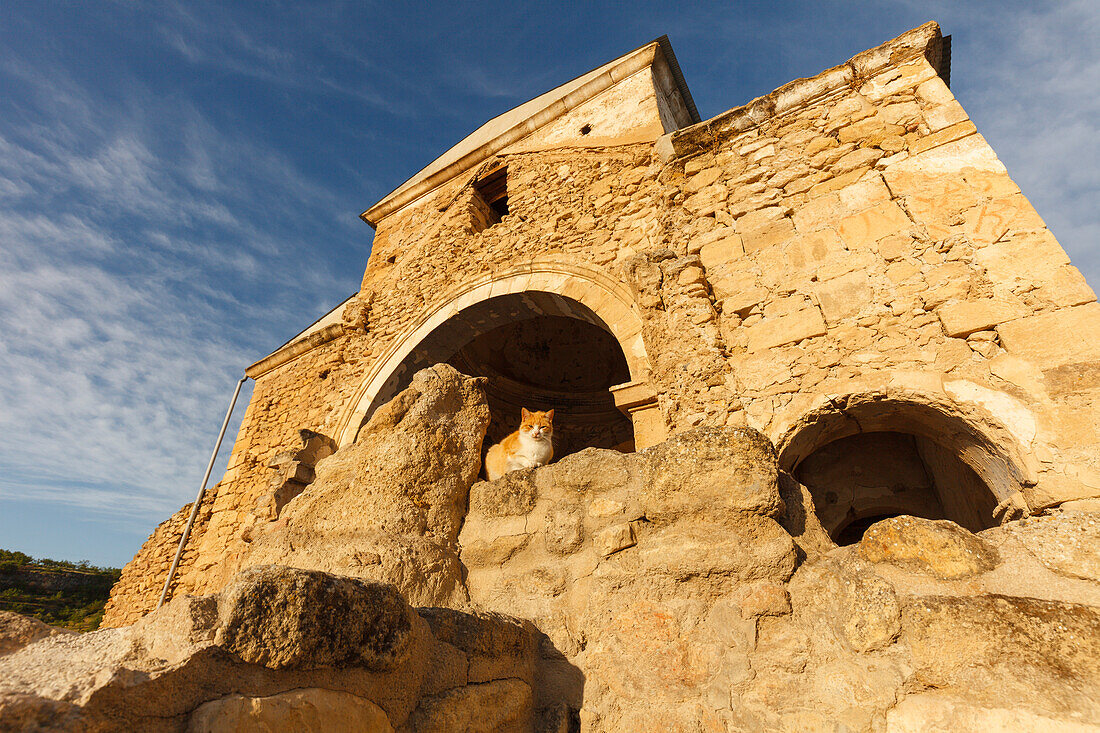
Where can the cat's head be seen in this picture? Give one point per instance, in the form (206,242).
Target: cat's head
(537,425)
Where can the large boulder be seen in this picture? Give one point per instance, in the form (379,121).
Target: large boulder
(17,631)
(284,648)
(285,618)
(389,506)
(312,710)
(937,547)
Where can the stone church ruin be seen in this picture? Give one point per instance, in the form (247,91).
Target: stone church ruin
(827,411)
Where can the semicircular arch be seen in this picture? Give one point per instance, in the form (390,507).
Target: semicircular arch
(593,289)
(866,436)
(979,440)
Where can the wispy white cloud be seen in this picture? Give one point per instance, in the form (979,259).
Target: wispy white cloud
(214,38)
(123,261)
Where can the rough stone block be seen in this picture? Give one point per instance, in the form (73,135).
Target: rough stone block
(990,184)
(865,128)
(946,281)
(1058,337)
(702,179)
(743,300)
(690,275)
(943,116)
(772,234)
(732,283)
(817,213)
(849,109)
(867,227)
(614,539)
(858,158)
(987,224)
(942,137)
(1066,286)
(864,193)
(785,305)
(495,551)
(838,182)
(760,218)
(811,249)
(969,154)
(939,548)
(934,91)
(901,113)
(897,79)
(707,200)
(895,246)
(273,616)
(787,329)
(720,251)
(843,297)
(1032,258)
(963,319)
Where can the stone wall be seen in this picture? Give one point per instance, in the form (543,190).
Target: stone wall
(849,236)
(142,581)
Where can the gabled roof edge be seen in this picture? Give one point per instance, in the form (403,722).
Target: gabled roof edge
(681,83)
(616,70)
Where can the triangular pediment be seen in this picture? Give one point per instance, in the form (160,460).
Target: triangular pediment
(635,98)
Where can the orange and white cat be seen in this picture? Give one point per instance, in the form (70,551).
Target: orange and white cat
(528,447)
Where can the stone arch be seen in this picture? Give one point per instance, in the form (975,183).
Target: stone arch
(868,455)
(563,288)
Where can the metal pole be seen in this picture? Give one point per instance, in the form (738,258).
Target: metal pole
(202,490)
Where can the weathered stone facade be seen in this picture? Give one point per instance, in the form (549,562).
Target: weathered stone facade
(843,256)
(688,587)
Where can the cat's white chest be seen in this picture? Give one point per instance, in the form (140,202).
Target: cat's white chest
(531,453)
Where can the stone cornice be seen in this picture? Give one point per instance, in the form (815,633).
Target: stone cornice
(925,40)
(295,349)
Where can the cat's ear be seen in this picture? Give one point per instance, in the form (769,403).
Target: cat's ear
(550,415)
(523,413)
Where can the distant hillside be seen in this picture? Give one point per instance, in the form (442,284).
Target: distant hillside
(61,593)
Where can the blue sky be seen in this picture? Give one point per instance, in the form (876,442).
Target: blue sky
(180,185)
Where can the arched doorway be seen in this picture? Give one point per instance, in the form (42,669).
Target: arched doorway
(547,335)
(868,457)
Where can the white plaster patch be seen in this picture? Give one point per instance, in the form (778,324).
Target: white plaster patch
(1018,419)
(971,152)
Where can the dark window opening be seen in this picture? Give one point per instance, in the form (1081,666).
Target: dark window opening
(493,188)
(861,479)
(540,351)
(586,129)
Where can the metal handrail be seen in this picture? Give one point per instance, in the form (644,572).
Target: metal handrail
(202,490)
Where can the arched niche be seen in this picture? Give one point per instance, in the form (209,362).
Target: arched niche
(866,457)
(548,334)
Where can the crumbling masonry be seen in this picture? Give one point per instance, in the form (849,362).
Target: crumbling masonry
(843,264)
